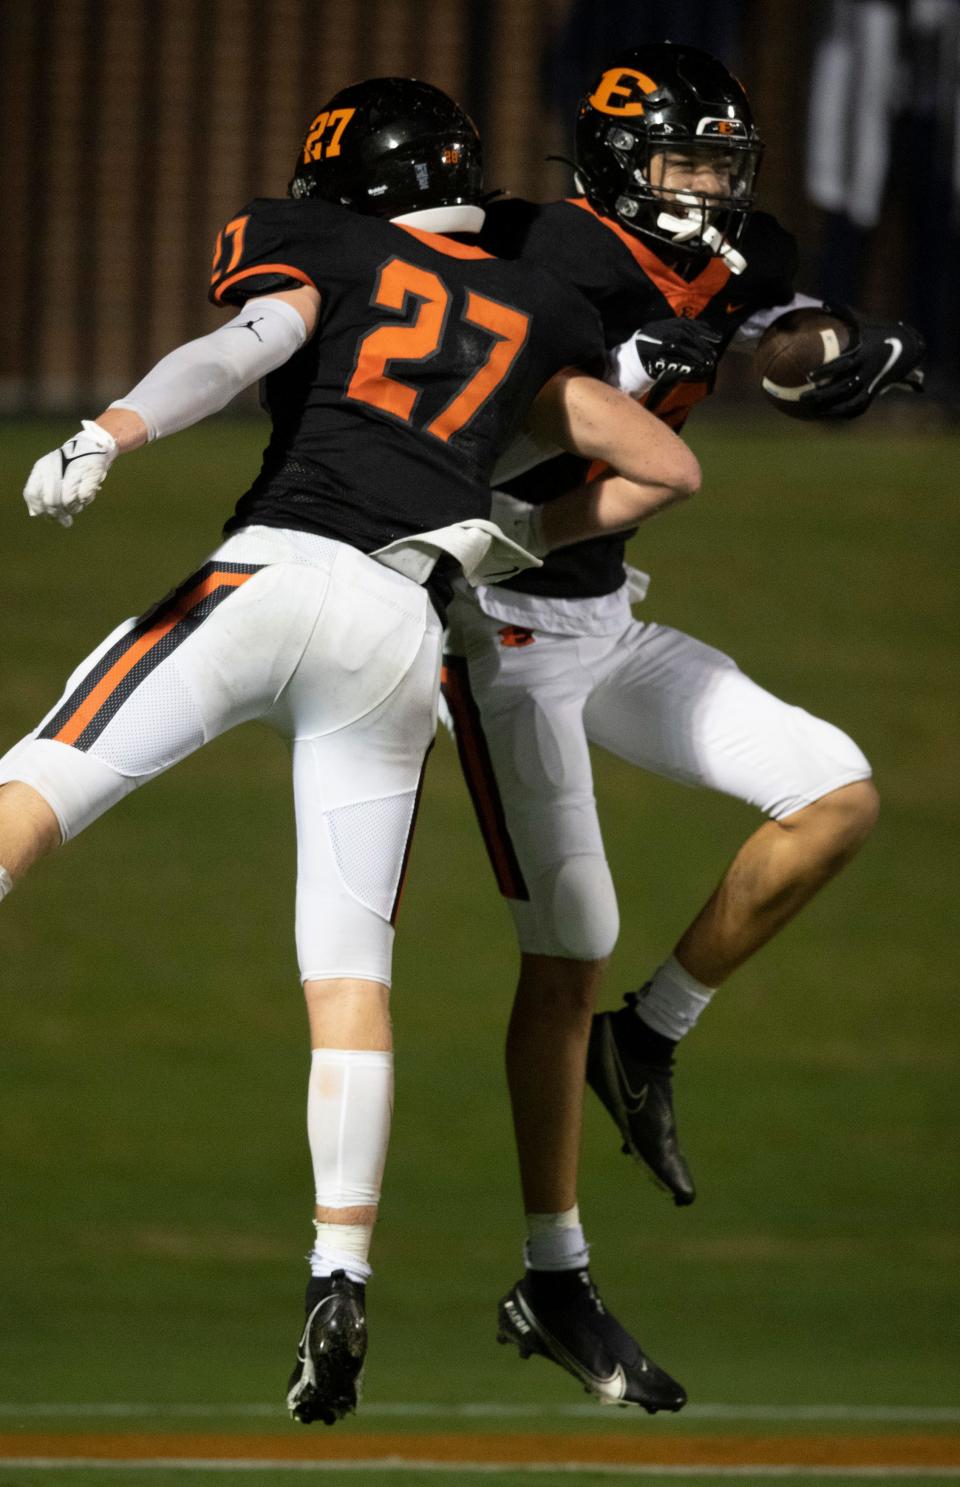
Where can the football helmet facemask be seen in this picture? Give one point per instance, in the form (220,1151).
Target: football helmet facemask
(665,109)
(388,146)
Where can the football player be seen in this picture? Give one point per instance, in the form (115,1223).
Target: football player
(662,233)
(399,356)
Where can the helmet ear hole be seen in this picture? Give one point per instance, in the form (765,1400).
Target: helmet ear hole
(666,99)
(389,146)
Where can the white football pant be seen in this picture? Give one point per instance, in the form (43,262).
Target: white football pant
(336,652)
(526,704)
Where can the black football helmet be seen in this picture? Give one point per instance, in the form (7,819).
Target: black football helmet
(654,99)
(388,146)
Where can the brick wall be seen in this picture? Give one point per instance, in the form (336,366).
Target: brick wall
(134,128)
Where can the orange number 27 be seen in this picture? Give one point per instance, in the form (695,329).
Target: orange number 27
(315,145)
(419,340)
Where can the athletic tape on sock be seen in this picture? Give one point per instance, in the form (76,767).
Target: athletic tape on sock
(673,1001)
(555,1241)
(341,1247)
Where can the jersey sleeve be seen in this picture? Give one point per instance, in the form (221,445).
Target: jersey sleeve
(772,260)
(578,331)
(267,247)
(588,347)
(555,234)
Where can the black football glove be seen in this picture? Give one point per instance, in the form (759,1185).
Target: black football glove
(885,354)
(678,351)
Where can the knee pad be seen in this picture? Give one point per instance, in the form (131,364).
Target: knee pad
(77,787)
(572,911)
(336,936)
(823,759)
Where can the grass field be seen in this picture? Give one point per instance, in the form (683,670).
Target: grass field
(155,1178)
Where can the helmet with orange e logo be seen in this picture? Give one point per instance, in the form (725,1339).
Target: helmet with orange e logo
(388,146)
(667,146)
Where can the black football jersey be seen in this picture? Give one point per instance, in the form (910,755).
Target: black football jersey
(630,286)
(427,356)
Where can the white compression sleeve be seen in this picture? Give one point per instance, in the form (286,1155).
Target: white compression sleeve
(349,1106)
(201,377)
(626,371)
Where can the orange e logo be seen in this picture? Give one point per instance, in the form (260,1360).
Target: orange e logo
(620,91)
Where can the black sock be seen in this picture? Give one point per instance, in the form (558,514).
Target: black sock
(555,1286)
(641,1040)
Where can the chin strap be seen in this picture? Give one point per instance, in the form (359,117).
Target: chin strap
(695,224)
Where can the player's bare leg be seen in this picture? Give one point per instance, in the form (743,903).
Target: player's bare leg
(552,1009)
(28,829)
(774,875)
(555,1309)
(346,1013)
(349,1106)
(777,871)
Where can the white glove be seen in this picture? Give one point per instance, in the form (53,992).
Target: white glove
(65,481)
(519,521)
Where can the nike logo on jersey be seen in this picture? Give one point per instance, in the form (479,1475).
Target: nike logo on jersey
(732,309)
(896,352)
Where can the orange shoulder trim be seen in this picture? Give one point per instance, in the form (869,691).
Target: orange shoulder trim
(442,244)
(261,268)
(684,297)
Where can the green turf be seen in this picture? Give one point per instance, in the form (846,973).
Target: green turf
(156,1184)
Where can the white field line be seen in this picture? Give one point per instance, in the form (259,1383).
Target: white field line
(491,1410)
(481,1468)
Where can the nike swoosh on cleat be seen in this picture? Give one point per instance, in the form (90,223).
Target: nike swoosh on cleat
(897,351)
(610,1388)
(627,1092)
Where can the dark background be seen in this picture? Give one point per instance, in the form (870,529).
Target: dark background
(135,128)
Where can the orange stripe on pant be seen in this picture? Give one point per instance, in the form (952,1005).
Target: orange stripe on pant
(108,684)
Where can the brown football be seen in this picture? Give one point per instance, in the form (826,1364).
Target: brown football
(792,348)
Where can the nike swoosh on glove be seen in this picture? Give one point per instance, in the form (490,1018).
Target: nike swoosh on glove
(677,350)
(886,355)
(66,480)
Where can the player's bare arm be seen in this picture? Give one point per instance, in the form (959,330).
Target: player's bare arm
(651,468)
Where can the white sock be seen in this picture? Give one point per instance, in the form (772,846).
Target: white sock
(673,1001)
(341,1247)
(6,883)
(555,1241)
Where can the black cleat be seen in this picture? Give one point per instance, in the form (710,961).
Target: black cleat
(560,1315)
(639,1096)
(325,1384)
